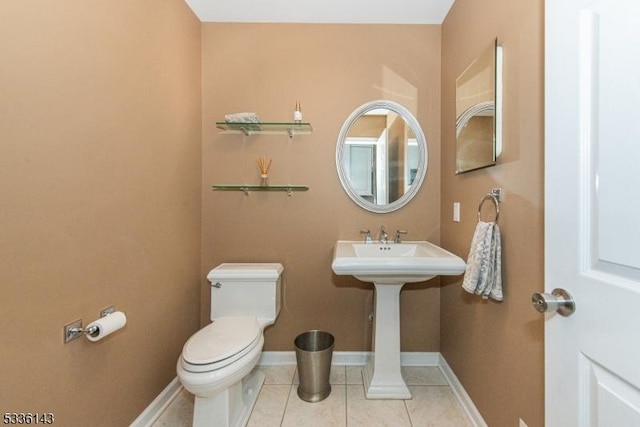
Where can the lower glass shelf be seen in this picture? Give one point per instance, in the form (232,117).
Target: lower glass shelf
(247,188)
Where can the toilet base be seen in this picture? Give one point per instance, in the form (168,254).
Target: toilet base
(230,407)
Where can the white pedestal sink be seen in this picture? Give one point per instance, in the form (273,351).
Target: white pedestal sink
(389,267)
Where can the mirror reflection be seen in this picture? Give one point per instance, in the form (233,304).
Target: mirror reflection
(478,112)
(381,156)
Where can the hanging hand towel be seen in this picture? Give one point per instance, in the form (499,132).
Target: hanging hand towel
(483,273)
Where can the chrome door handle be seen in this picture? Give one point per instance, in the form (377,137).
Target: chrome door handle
(558,300)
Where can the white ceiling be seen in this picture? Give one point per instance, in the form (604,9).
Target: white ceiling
(323,11)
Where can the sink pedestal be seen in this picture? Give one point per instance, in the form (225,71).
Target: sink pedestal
(382,375)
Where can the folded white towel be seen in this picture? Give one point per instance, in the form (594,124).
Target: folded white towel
(242,118)
(483,273)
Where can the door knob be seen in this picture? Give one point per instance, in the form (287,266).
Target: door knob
(558,300)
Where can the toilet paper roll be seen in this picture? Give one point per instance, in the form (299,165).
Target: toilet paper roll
(106,325)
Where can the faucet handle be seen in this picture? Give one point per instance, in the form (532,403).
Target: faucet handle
(398,239)
(367,238)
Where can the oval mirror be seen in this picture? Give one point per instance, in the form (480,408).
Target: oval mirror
(381,156)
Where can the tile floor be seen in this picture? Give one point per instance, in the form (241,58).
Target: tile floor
(433,403)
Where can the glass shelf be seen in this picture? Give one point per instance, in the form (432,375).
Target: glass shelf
(289,128)
(247,188)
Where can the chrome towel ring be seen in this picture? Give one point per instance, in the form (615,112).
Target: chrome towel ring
(494,196)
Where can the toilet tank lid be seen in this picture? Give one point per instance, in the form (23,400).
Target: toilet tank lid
(246,271)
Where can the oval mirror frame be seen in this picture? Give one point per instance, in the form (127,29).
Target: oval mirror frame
(421,170)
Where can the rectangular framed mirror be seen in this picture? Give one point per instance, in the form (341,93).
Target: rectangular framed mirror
(479,111)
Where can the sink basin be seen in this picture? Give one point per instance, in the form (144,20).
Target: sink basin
(389,267)
(404,262)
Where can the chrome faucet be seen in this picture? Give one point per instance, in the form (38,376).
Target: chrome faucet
(367,237)
(383,237)
(398,239)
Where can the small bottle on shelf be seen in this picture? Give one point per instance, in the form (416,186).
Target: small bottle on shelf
(297,114)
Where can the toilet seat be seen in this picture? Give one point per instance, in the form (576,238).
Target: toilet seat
(220,343)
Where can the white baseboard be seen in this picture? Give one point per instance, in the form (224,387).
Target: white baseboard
(159,404)
(417,358)
(350,358)
(464,399)
(347,358)
(274,358)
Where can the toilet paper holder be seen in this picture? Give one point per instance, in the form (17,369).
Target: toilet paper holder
(75,330)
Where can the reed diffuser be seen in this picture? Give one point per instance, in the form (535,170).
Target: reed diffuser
(264,165)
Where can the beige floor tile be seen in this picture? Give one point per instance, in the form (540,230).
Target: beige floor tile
(279,374)
(179,413)
(374,413)
(338,374)
(279,405)
(354,375)
(330,412)
(269,408)
(423,375)
(435,406)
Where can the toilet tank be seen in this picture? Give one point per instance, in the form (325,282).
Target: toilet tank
(246,289)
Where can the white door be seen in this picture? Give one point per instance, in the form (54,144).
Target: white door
(592,211)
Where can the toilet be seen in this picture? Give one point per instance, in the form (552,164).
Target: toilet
(217,362)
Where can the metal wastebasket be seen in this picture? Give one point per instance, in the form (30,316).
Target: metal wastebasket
(313,354)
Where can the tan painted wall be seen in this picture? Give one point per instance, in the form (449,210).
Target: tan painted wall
(331,70)
(496,349)
(100,165)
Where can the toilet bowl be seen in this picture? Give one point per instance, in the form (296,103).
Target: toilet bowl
(217,363)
